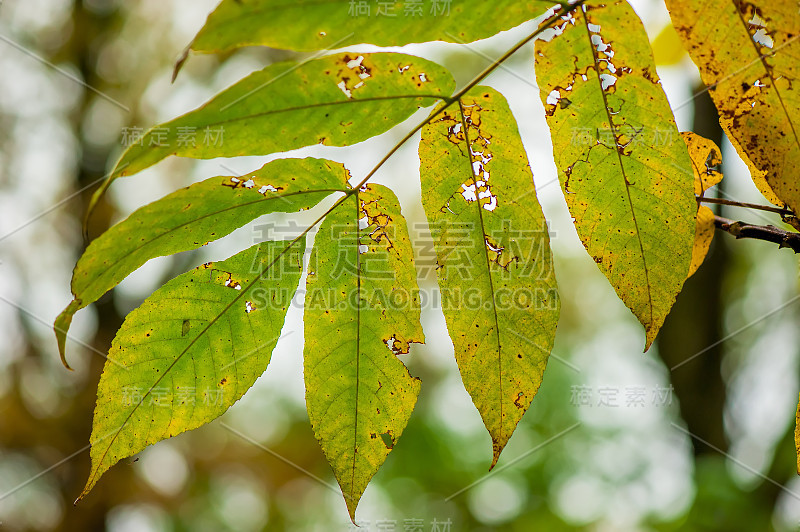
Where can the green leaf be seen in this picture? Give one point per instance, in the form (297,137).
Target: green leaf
(495,267)
(361,311)
(192,217)
(191,350)
(624,170)
(337,100)
(747,53)
(339,23)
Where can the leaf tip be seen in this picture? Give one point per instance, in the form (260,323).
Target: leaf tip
(61,326)
(497,448)
(180,62)
(650,337)
(352,504)
(61,338)
(90,482)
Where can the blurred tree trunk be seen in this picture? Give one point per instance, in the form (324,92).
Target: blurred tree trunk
(695,326)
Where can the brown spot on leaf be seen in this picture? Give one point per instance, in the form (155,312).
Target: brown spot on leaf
(518,402)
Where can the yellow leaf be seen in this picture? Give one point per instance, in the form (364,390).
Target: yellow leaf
(361,311)
(797,436)
(747,53)
(706,159)
(494,265)
(625,172)
(704,234)
(667,47)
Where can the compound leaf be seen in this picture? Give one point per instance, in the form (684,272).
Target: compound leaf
(494,263)
(361,311)
(748,54)
(624,170)
(190,218)
(191,350)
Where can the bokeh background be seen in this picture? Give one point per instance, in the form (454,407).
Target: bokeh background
(696,434)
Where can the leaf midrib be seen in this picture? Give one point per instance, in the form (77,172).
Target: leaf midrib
(358,340)
(353,100)
(596,59)
(485,254)
(147,153)
(200,334)
(768,70)
(195,220)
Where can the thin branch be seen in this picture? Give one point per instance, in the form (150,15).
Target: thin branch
(769,233)
(719,201)
(564,9)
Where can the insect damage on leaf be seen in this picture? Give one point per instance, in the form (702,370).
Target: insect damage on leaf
(706,161)
(353,75)
(288,105)
(477,187)
(627,179)
(747,55)
(625,173)
(361,311)
(253,182)
(190,351)
(193,216)
(494,265)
